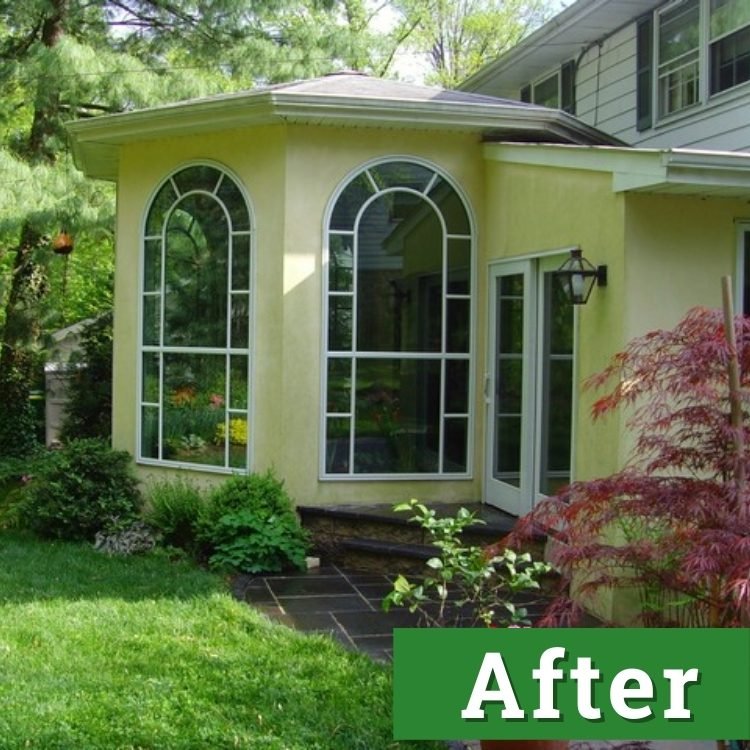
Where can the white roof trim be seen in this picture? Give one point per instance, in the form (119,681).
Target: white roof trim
(675,171)
(96,142)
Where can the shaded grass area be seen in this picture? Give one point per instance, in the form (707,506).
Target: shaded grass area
(99,652)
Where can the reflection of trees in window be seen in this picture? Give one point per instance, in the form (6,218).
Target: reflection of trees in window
(195,322)
(678,48)
(398,312)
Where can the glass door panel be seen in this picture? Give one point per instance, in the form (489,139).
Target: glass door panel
(508,378)
(556,362)
(529,392)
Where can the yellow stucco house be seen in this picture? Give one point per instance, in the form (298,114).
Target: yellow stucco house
(351,280)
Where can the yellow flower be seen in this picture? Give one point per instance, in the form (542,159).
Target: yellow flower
(237,432)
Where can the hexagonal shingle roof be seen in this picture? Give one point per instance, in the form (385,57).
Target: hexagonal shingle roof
(344,99)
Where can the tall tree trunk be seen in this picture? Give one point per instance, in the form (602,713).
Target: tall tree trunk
(22,328)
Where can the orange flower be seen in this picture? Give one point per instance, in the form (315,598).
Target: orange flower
(183,395)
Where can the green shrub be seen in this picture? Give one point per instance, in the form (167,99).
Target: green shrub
(249,525)
(173,509)
(83,488)
(15,473)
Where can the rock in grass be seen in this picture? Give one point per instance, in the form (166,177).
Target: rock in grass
(136,539)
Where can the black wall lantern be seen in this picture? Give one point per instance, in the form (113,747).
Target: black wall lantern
(578,277)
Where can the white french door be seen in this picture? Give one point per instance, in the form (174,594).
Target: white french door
(529,388)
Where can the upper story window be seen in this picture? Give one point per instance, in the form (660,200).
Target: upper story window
(730,43)
(692,49)
(677,49)
(398,322)
(556,91)
(195,323)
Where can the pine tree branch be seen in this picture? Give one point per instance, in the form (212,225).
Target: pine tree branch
(16,48)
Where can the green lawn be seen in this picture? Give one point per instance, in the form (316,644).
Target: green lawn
(99,652)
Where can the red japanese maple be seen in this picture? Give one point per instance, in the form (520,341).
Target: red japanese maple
(681,505)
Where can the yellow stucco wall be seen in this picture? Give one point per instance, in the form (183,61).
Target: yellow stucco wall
(664,255)
(536,211)
(679,247)
(318,161)
(290,174)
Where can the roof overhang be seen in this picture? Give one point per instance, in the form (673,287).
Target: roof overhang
(705,174)
(97,142)
(566,36)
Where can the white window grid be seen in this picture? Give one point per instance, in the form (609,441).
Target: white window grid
(160,349)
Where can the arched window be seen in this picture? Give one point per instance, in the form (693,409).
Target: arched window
(398,368)
(195,322)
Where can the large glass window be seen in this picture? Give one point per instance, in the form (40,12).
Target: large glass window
(398,314)
(195,330)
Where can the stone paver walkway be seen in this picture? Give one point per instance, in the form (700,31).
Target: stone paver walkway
(344,604)
(347,605)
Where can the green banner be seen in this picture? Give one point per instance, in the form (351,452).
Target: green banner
(577,683)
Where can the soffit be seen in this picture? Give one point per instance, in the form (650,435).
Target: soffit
(566,36)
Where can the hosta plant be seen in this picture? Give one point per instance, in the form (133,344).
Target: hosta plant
(674,524)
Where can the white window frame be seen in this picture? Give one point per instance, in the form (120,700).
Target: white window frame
(228,351)
(705,42)
(691,58)
(710,42)
(354,354)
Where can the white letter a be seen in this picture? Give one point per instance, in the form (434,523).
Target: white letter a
(492,665)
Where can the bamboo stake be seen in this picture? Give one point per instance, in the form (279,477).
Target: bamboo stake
(735,402)
(735,399)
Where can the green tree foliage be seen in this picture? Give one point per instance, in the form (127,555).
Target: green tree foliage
(88,413)
(66,59)
(457,37)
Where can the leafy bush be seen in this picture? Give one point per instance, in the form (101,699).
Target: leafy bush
(173,509)
(249,524)
(467,585)
(83,488)
(15,473)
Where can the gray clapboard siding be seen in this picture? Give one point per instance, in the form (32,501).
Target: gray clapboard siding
(606,99)
(723,124)
(605,87)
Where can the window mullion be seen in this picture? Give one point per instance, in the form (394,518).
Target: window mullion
(352,415)
(704,53)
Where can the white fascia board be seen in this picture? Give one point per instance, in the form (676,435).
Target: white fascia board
(96,142)
(590,158)
(637,170)
(185,118)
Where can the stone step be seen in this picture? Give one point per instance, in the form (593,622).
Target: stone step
(378,556)
(375,538)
